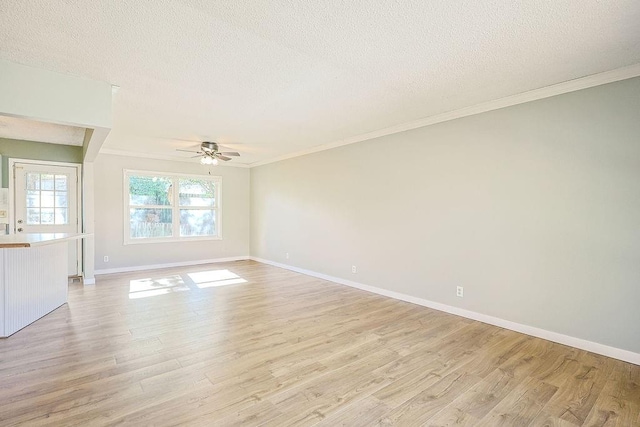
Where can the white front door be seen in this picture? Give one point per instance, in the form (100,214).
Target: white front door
(46,201)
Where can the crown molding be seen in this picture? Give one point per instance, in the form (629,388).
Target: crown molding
(164,157)
(586,82)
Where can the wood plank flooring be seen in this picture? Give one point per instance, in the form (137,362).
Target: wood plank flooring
(248,344)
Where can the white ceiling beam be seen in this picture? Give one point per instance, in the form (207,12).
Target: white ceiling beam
(50,97)
(93,140)
(47,96)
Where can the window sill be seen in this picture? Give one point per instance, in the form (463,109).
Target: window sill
(170,240)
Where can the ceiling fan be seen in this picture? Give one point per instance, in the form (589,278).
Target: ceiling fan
(210,153)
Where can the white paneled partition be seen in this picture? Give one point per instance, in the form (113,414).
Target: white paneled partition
(33,282)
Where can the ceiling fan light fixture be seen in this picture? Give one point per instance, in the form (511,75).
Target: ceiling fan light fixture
(208,160)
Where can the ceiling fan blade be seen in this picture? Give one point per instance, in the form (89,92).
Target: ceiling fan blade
(197,155)
(226,159)
(230,153)
(187,151)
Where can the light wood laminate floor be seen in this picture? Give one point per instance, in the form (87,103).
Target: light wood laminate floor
(248,344)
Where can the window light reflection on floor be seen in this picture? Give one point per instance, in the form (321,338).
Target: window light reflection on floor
(149,287)
(143,288)
(214,278)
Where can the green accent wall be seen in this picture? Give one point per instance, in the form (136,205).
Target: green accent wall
(15,148)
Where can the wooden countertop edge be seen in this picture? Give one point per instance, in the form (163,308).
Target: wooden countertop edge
(14,245)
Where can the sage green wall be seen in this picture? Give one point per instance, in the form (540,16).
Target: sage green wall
(534,209)
(13,148)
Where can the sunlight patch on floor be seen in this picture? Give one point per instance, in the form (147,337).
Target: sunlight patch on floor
(143,288)
(215,278)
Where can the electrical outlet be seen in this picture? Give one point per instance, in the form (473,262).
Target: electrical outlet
(286,255)
(354,269)
(106,258)
(460,291)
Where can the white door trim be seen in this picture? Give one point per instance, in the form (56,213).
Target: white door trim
(12,174)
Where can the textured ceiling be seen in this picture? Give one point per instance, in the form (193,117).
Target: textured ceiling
(273,77)
(31,130)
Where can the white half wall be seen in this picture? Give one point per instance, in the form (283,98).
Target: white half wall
(534,209)
(109,217)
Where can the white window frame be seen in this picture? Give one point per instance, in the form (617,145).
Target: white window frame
(175,207)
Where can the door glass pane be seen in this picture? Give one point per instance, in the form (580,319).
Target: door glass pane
(47,191)
(47,216)
(61,216)
(145,190)
(33,199)
(145,223)
(61,199)
(46,199)
(33,181)
(197,222)
(197,192)
(46,181)
(61,182)
(33,216)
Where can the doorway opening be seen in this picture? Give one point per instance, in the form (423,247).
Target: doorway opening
(45,198)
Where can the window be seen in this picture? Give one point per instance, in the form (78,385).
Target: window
(170,207)
(47,199)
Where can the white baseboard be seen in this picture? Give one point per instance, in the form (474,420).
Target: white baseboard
(605,350)
(167,265)
(87,281)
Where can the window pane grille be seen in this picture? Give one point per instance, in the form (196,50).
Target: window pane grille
(147,223)
(47,199)
(197,192)
(146,190)
(197,222)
